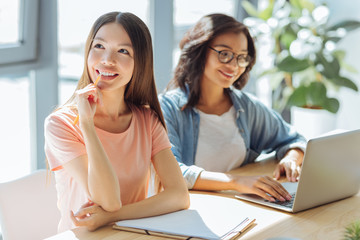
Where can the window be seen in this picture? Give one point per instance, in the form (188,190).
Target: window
(9,22)
(14,128)
(188,12)
(74,29)
(18,19)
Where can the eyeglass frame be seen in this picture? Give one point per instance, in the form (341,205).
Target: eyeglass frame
(248,58)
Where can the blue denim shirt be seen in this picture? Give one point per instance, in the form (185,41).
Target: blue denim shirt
(262,129)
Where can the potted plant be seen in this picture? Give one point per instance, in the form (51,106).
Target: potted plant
(352,231)
(305,51)
(306,65)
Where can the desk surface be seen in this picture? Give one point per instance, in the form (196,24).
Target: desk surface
(324,222)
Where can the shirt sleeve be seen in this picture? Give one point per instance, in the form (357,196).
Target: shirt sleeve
(63,142)
(192,172)
(269,132)
(171,121)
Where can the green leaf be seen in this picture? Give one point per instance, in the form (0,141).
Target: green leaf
(349,68)
(316,94)
(307,5)
(298,97)
(331,69)
(344,82)
(288,36)
(332,105)
(313,95)
(295,3)
(286,40)
(303,4)
(267,12)
(250,9)
(290,64)
(339,54)
(348,25)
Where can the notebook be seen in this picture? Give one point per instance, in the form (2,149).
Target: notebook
(330,172)
(209,217)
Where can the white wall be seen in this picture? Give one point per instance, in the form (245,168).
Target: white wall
(349,113)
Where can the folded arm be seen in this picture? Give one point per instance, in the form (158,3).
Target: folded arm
(174,197)
(95,173)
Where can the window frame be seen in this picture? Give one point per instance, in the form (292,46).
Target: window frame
(26,48)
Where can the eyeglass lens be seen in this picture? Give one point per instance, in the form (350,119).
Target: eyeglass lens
(227,56)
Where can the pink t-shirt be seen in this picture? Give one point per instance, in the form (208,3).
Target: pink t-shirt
(129,152)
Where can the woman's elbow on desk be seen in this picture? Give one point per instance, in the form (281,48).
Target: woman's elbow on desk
(181,197)
(184,199)
(176,198)
(109,205)
(112,207)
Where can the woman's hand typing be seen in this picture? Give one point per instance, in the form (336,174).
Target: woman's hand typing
(263,186)
(290,165)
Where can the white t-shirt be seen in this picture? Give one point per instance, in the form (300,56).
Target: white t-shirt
(221,147)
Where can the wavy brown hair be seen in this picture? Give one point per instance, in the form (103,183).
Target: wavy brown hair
(141,90)
(194,47)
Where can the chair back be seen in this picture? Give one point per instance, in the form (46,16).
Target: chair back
(28,207)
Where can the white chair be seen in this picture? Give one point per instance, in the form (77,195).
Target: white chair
(28,207)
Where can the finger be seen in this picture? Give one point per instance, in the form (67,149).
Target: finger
(295,174)
(86,89)
(299,172)
(74,219)
(274,193)
(277,172)
(80,222)
(275,189)
(86,97)
(85,212)
(264,195)
(93,95)
(87,204)
(291,171)
(288,172)
(273,184)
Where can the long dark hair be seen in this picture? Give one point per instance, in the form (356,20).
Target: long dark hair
(141,90)
(194,47)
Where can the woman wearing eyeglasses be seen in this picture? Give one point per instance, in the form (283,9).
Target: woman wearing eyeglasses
(215,127)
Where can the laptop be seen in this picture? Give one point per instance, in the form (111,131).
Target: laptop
(330,172)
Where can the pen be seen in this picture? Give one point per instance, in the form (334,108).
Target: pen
(77,116)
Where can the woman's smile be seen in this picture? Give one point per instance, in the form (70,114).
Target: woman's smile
(229,76)
(106,75)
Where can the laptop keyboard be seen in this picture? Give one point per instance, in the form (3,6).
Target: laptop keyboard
(288,204)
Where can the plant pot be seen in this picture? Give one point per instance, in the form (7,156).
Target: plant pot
(312,122)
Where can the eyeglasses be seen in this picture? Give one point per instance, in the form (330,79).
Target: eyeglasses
(226,56)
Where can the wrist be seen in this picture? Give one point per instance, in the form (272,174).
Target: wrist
(294,154)
(233,182)
(115,216)
(86,124)
(215,181)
